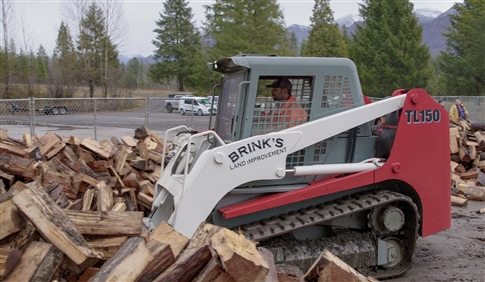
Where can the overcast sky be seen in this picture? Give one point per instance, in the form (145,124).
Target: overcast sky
(42,18)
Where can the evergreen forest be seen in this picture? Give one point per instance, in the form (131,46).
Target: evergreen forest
(386,48)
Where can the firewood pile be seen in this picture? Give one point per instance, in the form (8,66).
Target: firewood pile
(467,160)
(71,210)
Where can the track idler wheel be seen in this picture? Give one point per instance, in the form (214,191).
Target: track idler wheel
(386,219)
(394,252)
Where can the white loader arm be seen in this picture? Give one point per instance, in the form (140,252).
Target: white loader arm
(217,171)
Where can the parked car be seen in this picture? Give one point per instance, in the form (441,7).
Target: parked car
(173,104)
(197,105)
(216,99)
(53,110)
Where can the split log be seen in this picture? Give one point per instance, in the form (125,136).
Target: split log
(107,223)
(8,179)
(186,268)
(480,140)
(145,200)
(482,210)
(213,272)
(119,207)
(269,259)
(329,267)
(464,154)
(70,185)
(105,197)
(203,235)
(96,148)
(239,256)
(54,151)
(164,233)
(470,174)
(458,201)
(20,240)
(8,259)
(13,150)
(474,193)
(128,141)
(454,132)
(107,246)
(88,273)
(127,264)
(113,172)
(38,263)
(53,224)
(120,159)
(18,166)
(163,259)
(47,142)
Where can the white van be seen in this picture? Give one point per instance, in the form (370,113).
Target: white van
(197,106)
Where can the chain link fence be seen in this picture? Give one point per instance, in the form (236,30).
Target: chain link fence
(96,118)
(103,118)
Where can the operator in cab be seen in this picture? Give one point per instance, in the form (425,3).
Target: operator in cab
(287,112)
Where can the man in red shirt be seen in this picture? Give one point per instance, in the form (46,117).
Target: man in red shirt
(287,111)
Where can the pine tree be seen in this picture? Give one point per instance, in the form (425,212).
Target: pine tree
(42,63)
(178,45)
(324,39)
(65,64)
(463,63)
(95,47)
(387,48)
(245,27)
(293,47)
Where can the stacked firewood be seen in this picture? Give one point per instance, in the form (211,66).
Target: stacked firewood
(71,210)
(467,149)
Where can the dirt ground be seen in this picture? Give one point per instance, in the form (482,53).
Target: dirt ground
(456,254)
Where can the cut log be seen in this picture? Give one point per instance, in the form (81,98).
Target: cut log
(38,263)
(47,142)
(120,159)
(145,200)
(14,190)
(113,172)
(70,185)
(128,141)
(20,240)
(8,179)
(107,222)
(454,132)
(213,272)
(53,224)
(163,259)
(187,266)
(480,140)
(88,273)
(96,148)
(3,133)
(239,256)
(107,246)
(329,267)
(131,180)
(147,188)
(105,197)
(8,259)
(18,166)
(127,264)
(458,201)
(54,151)
(13,150)
(269,259)
(119,207)
(10,219)
(164,233)
(474,193)
(464,154)
(482,210)
(203,235)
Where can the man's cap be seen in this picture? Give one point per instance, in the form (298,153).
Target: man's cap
(280,82)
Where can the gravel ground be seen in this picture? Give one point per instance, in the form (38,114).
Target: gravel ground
(456,254)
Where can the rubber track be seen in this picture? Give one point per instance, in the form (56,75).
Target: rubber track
(285,223)
(354,203)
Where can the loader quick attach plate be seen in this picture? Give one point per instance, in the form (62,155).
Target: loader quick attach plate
(359,202)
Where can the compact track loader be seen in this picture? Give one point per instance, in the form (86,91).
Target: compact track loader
(362,179)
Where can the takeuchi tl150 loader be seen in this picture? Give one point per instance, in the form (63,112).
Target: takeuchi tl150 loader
(362,179)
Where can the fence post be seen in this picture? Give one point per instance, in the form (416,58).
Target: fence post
(31,116)
(95,120)
(147,113)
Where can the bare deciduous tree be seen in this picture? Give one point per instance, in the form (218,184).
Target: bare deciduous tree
(8,30)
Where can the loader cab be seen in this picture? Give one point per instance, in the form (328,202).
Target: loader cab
(321,86)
